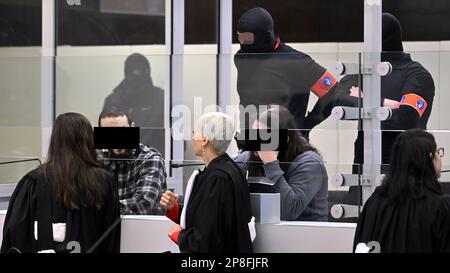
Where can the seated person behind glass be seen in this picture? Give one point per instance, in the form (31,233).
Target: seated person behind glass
(298,173)
(140,173)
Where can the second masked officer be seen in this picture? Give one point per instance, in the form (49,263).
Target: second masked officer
(409,91)
(273,73)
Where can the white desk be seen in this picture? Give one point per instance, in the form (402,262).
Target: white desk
(146,234)
(149,234)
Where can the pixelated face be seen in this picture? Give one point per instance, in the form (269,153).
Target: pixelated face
(121,121)
(246,38)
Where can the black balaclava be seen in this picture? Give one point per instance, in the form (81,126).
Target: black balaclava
(137,65)
(137,77)
(392,33)
(260,22)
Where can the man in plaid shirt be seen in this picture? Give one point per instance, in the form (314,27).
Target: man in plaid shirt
(140,173)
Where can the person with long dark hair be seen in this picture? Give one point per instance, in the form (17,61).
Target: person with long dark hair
(408,212)
(67,203)
(298,172)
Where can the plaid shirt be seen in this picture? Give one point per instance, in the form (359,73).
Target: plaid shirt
(141,180)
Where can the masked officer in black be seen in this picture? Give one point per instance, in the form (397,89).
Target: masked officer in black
(408,91)
(273,73)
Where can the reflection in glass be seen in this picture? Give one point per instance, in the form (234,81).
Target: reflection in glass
(106,22)
(137,96)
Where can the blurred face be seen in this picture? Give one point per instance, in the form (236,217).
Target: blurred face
(437,161)
(121,121)
(246,38)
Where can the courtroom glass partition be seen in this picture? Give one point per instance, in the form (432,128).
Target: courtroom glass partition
(85,93)
(20,92)
(20,117)
(134,84)
(12,169)
(199,95)
(20,111)
(415,90)
(96,23)
(84,83)
(437,63)
(112,54)
(105,63)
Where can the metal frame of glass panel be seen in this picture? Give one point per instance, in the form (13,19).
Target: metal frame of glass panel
(372,93)
(175,50)
(369,115)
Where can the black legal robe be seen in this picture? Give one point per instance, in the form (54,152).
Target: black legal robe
(218,211)
(416,225)
(31,201)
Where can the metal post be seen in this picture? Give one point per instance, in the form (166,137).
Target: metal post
(175,50)
(47,73)
(224,48)
(372,85)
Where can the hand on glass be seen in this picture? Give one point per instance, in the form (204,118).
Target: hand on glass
(392,104)
(268,156)
(168,200)
(354,92)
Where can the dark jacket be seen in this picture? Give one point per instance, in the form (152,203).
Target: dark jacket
(283,77)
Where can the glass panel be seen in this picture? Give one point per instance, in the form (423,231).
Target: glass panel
(20,98)
(20,91)
(255,83)
(111,58)
(20,23)
(199,95)
(320,21)
(133,84)
(12,169)
(107,22)
(415,93)
(325,40)
(201,23)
